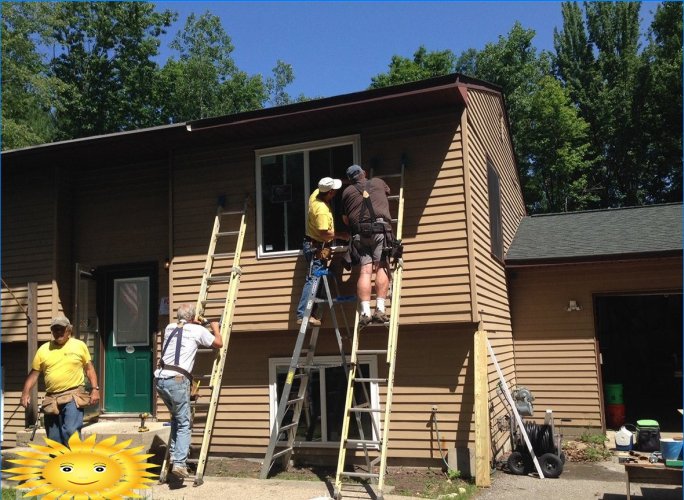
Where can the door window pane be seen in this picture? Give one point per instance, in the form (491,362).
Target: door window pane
(131,311)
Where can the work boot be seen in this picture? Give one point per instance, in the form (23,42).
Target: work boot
(180,471)
(364,320)
(313,321)
(380,317)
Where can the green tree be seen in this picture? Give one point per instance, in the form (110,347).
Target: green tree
(105,52)
(28,93)
(423,65)
(598,61)
(660,119)
(204,81)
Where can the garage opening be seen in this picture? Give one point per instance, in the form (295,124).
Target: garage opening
(640,338)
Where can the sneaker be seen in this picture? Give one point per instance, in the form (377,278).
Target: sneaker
(364,320)
(380,317)
(180,471)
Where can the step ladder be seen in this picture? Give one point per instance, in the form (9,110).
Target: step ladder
(284,430)
(377,445)
(226,288)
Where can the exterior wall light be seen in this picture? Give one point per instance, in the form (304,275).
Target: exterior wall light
(573,306)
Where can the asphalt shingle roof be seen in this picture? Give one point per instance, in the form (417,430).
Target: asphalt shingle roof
(598,233)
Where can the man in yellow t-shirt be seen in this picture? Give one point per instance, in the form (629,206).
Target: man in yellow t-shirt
(62,361)
(320,229)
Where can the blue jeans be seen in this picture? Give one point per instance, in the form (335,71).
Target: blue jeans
(313,265)
(60,427)
(176,396)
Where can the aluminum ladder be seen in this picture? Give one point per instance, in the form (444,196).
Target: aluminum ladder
(375,473)
(300,371)
(205,299)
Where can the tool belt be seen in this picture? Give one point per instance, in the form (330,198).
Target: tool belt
(53,400)
(370,228)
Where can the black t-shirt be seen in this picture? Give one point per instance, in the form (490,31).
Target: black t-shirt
(353,205)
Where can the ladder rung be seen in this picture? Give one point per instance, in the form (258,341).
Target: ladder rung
(393,197)
(281,453)
(370,379)
(366,410)
(227,233)
(387,176)
(213,301)
(394,221)
(362,442)
(197,432)
(233,212)
(192,460)
(294,401)
(288,426)
(197,403)
(206,349)
(224,255)
(218,279)
(360,474)
(372,351)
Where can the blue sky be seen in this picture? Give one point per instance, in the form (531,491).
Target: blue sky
(336,47)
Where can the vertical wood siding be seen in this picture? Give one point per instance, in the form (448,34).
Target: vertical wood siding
(555,350)
(488,138)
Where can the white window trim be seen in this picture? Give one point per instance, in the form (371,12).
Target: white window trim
(145,280)
(354,140)
(371,361)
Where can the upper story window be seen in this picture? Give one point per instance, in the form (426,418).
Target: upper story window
(286,176)
(494,196)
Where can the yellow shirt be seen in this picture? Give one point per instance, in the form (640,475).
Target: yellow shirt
(62,365)
(319,218)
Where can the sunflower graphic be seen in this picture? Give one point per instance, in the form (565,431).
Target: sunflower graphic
(85,470)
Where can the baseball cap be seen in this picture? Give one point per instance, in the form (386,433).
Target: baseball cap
(353,172)
(60,321)
(328,183)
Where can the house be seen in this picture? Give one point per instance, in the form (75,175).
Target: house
(113,231)
(596,301)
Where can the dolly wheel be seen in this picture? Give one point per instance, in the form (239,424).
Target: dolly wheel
(551,465)
(516,463)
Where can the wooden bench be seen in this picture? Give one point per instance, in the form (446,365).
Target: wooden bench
(652,474)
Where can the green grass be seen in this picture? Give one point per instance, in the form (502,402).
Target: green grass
(9,494)
(592,438)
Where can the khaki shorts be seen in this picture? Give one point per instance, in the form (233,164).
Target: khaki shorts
(370,248)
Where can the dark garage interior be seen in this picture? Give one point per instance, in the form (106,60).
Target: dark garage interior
(640,338)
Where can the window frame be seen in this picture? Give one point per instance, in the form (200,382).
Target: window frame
(301,147)
(370,360)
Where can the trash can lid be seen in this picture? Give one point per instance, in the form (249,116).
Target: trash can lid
(647,423)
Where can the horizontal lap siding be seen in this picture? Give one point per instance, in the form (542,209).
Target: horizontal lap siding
(28,239)
(434,226)
(487,139)
(14,372)
(555,350)
(433,368)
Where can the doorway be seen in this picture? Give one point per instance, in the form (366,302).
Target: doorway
(640,338)
(129,317)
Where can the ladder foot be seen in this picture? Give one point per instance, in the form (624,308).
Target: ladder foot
(337,494)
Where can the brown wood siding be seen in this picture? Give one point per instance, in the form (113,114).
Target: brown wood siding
(13,375)
(433,368)
(487,140)
(28,238)
(555,350)
(434,225)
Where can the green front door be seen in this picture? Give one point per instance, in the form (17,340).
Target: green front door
(130,317)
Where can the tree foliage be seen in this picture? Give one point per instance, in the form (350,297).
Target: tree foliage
(597,124)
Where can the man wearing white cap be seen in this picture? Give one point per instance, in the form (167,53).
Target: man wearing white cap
(320,229)
(62,361)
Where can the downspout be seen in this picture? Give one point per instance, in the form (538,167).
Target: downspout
(474,307)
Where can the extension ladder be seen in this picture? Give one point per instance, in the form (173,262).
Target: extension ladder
(301,371)
(375,470)
(215,259)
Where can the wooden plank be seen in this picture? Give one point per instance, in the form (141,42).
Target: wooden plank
(32,346)
(482,436)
